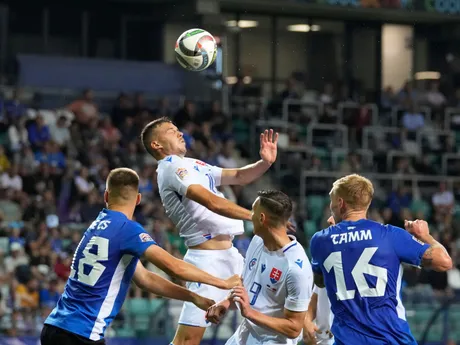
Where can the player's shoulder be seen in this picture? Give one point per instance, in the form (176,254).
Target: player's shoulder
(256,242)
(295,256)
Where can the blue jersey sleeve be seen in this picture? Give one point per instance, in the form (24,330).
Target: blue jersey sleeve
(135,240)
(408,248)
(314,250)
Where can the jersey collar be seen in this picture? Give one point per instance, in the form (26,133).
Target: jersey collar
(283,250)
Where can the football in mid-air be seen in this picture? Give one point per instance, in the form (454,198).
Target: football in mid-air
(196,49)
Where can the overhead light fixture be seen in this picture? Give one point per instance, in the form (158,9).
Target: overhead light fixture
(243,24)
(247,80)
(427,75)
(231,80)
(299,28)
(315,28)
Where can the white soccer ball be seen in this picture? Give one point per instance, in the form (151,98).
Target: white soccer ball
(196,49)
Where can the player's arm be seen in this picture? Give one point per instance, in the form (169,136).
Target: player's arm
(251,172)
(318,277)
(309,327)
(299,287)
(183,270)
(417,247)
(157,285)
(217,204)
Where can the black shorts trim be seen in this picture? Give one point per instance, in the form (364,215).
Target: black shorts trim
(52,335)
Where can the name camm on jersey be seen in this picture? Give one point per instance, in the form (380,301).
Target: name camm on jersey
(101,272)
(195,222)
(361,264)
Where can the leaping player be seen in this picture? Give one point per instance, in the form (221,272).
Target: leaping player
(206,220)
(277,278)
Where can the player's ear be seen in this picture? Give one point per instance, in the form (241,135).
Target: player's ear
(106,197)
(139,198)
(156,145)
(262,218)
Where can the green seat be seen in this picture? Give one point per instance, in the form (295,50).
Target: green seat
(420,206)
(125,333)
(315,204)
(310,228)
(156,304)
(139,311)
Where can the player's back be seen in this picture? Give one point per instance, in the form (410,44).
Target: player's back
(102,268)
(361,265)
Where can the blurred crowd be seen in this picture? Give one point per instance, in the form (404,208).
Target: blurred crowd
(54,163)
(53,168)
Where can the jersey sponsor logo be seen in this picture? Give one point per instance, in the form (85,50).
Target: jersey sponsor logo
(145,237)
(252,263)
(262,269)
(196,168)
(182,173)
(207,236)
(275,275)
(201,163)
(299,263)
(418,241)
(351,236)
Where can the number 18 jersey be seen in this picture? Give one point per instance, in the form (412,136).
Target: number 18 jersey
(361,265)
(101,272)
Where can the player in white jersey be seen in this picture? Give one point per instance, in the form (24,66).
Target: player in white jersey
(277,277)
(318,322)
(205,219)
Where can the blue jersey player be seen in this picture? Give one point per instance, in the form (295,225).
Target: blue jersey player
(359,263)
(105,262)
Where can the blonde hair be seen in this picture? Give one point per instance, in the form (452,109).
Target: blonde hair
(122,184)
(355,190)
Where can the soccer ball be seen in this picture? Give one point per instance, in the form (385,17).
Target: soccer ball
(196,50)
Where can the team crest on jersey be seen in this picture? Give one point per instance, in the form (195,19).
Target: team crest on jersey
(200,163)
(252,263)
(182,173)
(275,275)
(145,237)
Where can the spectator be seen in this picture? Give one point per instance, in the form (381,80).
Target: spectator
(443,201)
(82,182)
(49,295)
(399,200)
(413,120)
(352,164)
(109,132)
(39,133)
(85,109)
(16,259)
(122,110)
(60,133)
(4,161)
(14,107)
(11,179)
(434,97)
(387,100)
(27,296)
(187,114)
(18,135)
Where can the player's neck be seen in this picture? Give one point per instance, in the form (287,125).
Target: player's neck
(354,216)
(126,210)
(276,239)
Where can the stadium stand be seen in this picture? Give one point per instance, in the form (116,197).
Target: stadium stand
(54,160)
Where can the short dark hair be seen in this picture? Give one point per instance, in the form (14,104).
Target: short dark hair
(278,204)
(147,132)
(122,184)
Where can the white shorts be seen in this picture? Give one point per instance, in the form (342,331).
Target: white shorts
(219,263)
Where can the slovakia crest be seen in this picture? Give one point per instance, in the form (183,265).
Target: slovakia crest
(252,263)
(275,275)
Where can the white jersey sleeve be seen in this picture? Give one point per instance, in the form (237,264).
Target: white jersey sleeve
(299,286)
(217,174)
(178,177)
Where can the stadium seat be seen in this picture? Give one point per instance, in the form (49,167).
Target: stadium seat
(125,332)
(139,311)
(315,206)
(420,206)
(310,228)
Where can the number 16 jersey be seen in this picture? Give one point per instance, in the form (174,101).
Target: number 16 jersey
(102,268)
(361,265)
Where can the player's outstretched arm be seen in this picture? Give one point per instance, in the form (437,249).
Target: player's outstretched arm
(435,256)
(217,311)
(185,271)
(217,204)
(309,327)
(251,172)
(157,285)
